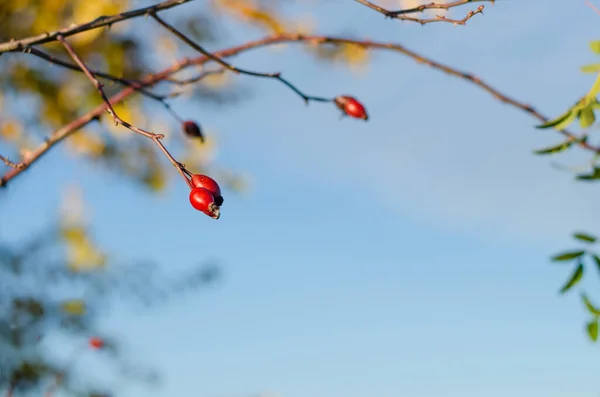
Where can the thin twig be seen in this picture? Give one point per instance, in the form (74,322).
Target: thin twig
(98,85)
(195,79)
(125,82)
(228,66)
(69,129)
(401,14)
(18,45)
(109,109)
(10,163)
(593,7)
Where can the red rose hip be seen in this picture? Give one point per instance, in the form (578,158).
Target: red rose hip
(351,107)
(209,184)
(96,343)
(203,200)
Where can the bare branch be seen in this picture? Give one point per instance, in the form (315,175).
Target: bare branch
(401,14)
(228,66)
(195,79)
(109,109)
(21,44)
(126,82)
(149,81)
(10,163)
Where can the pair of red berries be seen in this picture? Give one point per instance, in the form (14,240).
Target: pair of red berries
(351,107)
(205,195)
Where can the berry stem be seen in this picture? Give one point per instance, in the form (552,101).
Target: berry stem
(154,137)
(173,113)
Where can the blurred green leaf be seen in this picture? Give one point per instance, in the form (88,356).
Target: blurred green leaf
(567,256)
(555,149)
(589,177)
(588,304)
(597,260)
(592,329)
(561,121)
(595,46)
(30,306)
(74,307)
(592,68)
(593,92)
(585,237)
(586,117)
(575,278)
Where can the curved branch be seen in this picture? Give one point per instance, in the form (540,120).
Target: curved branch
(21,44)
(153,79)
(230,67)
(401,14)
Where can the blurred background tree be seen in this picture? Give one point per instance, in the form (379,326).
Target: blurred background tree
(56,282)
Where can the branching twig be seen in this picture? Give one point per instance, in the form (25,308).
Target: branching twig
(126,82)
(77,124)
(401,14)
(228,66)
(10,163)
(18,45)
(195,79)
(109,109)
(98,85)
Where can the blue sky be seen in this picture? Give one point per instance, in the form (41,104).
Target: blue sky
(406,256)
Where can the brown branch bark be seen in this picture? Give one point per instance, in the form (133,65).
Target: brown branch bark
(21,44)
(156,138)
(9,163)
(230,67)
(401,14)
(126,82)
(75,125)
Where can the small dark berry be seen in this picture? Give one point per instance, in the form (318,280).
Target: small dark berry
(192,130)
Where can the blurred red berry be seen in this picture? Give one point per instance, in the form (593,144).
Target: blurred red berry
(192,130)
(351,107)
(96,343)
(209,184)
(204,201)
